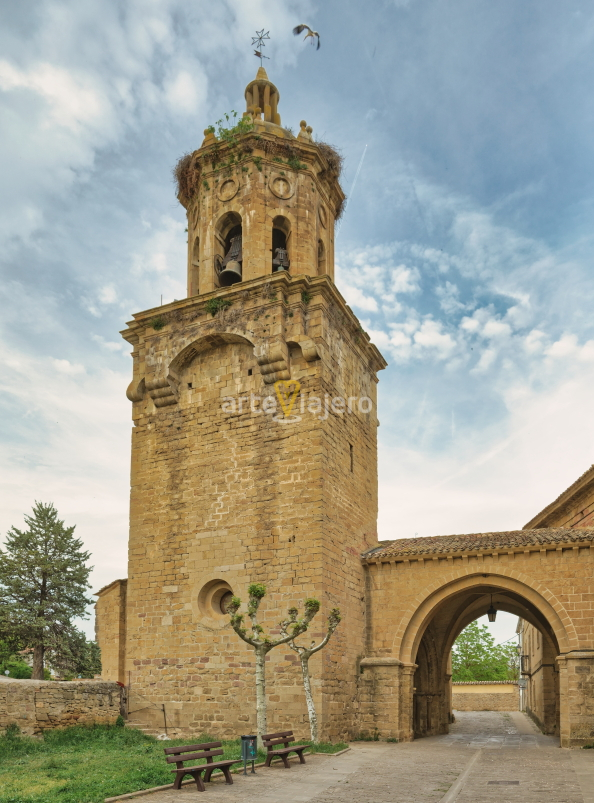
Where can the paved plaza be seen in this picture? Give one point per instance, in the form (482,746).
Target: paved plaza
(487,757)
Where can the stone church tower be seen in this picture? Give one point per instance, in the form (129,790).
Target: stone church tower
(228,486)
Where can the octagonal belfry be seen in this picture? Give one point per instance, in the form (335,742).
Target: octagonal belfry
(271,189)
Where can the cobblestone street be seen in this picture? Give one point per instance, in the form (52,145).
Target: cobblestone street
(487,757)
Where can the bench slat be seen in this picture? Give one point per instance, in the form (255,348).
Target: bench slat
(276,735)
(187,748)
(214,766)
(291,748)
(273,742)
(194,756)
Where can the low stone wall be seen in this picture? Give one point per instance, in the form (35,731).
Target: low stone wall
(485,696)
(38,705)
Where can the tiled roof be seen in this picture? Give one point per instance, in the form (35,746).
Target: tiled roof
(475,542)
(582,482)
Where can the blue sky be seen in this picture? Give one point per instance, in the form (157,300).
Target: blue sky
(466,248)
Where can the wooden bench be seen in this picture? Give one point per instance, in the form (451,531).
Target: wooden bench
(285,738)
(208,750)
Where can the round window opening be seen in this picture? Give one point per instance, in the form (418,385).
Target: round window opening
(226,601)
(214,598)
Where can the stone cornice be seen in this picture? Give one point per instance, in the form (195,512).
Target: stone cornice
(387,661)
(319,289)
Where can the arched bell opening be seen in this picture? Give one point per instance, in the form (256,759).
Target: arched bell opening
(228,250)
(431,704)
(194,282)
(321,258)
(281,237)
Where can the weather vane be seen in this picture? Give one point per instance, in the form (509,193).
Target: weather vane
(258,40)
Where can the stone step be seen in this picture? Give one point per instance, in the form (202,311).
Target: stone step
(140,726)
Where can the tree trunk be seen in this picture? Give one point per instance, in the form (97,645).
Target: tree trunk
(311,709)
(262,726)
(38,651)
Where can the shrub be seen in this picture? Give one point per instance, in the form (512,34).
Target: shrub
(214,305)
(158,323)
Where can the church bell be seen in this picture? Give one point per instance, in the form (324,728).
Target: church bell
(231,273)
(281,260)
(231,264)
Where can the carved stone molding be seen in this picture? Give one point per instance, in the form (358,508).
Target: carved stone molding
(273,360)
(281,187)
(227,189)
(161,392)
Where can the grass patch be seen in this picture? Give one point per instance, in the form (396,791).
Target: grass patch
(325,747)
(87,764)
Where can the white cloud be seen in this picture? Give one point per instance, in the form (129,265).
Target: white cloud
(403,279)
(431,337)
(449,298)
(486,360)
(122,346)
(72,101)
(357,299)
(186,92)
(533,343)
(566,346)
(495,329)
(108,294)
(66,367)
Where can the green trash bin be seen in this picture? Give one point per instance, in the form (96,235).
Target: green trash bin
(249,751)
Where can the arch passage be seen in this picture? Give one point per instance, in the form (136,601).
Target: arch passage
(417,608)
(432,691)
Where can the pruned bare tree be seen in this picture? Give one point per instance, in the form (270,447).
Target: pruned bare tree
(262,644)
(305,654)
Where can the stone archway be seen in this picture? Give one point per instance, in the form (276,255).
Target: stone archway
(443,616)
(421,593)
(430,633)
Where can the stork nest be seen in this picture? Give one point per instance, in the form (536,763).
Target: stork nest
(186,175)
(333,157)
(340,207)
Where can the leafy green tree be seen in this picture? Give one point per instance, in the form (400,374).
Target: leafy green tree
(12,665)
(74,656)
(475,656)
(43,584)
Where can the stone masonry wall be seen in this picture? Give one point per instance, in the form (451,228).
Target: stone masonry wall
(220,499)
(38,705)
(488,698)
(110,629)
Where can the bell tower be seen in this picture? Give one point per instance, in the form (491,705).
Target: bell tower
(259,200)
(254,446)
